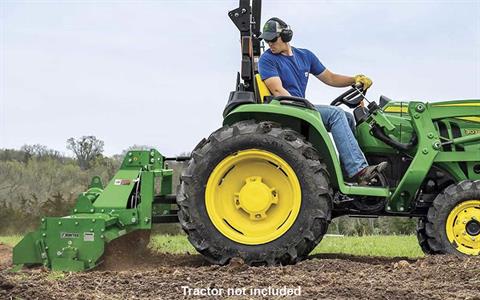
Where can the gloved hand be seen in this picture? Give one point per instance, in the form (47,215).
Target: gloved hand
(364,80)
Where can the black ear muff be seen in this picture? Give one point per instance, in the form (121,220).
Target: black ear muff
(286,34)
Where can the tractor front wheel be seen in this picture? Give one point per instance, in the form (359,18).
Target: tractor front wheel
(257,191)
(453,221)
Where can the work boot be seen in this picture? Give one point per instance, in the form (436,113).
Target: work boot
(367,174)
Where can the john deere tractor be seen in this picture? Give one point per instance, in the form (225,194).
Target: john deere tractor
(265,186)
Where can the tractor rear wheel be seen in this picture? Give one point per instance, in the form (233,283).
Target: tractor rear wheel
(453,221)
(255,191)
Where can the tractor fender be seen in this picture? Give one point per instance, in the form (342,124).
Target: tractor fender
(305,121)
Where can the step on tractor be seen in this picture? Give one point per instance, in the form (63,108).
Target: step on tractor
(265,186)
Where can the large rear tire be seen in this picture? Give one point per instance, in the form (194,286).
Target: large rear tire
(453,221)
(255,191)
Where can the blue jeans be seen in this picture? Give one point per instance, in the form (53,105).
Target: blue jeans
(342,126)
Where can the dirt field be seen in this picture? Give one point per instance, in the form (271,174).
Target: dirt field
(162,276)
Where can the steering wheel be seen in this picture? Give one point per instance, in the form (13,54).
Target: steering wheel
(351,98)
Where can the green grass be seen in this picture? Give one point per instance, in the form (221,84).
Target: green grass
(176,244)
(56,276)
(374,245)
(10,240)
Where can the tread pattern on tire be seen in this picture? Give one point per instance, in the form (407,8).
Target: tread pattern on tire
(210,242)
(423,238)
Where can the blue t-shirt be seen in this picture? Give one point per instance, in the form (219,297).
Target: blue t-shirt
(292,70)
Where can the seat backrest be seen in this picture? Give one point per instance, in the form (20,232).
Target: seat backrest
(261,90)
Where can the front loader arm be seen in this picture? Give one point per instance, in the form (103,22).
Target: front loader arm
(426,147)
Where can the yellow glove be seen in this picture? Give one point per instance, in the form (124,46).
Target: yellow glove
(364,80)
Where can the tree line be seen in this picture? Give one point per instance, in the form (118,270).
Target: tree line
(36,181)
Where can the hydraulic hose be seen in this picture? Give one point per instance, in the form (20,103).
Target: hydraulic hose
(378,132)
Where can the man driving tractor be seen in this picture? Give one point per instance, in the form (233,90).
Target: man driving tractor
(285,70)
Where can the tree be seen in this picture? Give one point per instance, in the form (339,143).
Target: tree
(12,155)
(57,206)
(86,149)
(40,152)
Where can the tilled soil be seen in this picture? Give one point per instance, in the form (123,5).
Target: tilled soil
(326,276)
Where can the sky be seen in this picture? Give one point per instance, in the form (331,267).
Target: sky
(159,73)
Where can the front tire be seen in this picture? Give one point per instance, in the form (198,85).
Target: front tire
(453,221)
(255,191)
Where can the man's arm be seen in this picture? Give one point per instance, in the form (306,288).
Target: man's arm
(335,80)
(274,84)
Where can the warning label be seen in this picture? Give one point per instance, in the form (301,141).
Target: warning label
(122,182)
(88,236)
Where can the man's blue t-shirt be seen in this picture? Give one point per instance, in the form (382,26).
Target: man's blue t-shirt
(292,70)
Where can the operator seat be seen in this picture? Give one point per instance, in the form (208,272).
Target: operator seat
(261,90)
(263,95)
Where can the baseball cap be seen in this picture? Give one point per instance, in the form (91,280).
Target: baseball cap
(271,30)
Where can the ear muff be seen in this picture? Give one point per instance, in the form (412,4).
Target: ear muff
(286,34)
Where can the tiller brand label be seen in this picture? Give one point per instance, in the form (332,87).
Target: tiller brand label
(69,235)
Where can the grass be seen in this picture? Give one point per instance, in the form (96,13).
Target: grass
(10,240)
(175,244)
(374,245)
(56,276)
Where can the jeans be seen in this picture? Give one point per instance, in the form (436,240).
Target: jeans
(337,121)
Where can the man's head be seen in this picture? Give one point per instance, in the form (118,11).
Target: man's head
(277,34)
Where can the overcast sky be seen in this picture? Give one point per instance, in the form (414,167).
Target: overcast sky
(159,72)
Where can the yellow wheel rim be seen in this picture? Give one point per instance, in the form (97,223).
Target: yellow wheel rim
(463,227)
(253,197)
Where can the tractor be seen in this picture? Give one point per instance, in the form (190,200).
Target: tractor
(265,186)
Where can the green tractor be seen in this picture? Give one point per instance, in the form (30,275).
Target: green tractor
(265,186)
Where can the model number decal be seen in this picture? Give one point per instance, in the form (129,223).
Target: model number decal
(69,235)
(472,131)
